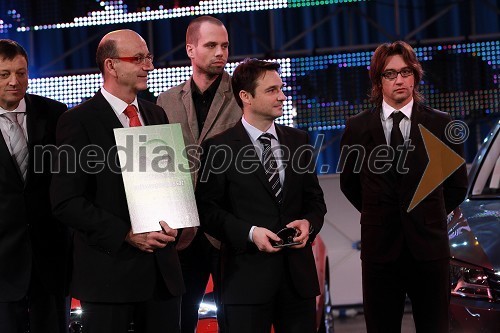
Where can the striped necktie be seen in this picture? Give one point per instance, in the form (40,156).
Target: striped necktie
(18,143)
(270,165)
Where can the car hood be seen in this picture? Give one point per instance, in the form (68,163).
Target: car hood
(473,231)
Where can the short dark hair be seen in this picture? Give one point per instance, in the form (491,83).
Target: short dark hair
(193,29)
(105,50)
(247,73)
(9,49)
(377,65)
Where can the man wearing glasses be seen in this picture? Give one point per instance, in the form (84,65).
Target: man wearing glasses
(403,253)
(120,277)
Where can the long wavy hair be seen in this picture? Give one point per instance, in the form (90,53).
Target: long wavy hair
(377,65)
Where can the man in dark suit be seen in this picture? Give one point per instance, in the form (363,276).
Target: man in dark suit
(204,105)
(244,202)
(118,276)
(34,246)
(403,253)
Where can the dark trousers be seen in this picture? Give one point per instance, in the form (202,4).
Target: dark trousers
(198,261)
(288,312)
(160,313)
(152,316)
(38,312)
(385,286)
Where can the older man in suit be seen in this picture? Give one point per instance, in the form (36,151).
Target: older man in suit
(403,253)
(34,246)
(258,178)
(119,276)
(204,106)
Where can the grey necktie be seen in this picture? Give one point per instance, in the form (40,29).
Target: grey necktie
(18,143)
(270,165)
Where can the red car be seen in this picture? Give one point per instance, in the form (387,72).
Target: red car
(207,312)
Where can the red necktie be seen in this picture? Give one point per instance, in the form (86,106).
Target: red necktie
(133,117)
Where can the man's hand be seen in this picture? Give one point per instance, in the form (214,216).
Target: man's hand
(150,241)
(261,237)
(302,227)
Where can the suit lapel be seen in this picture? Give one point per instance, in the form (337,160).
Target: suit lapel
(216,107)
(376,129)
(187,100)
(36,121)
(104,112)
(6,159)
(417,117)
(286,141)
(146,116)
(241,139)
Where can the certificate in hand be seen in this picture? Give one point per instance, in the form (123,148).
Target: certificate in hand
(156,176)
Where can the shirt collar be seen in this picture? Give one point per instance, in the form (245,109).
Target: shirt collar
(387,110)
(255,133)
(117,104)
(21,108)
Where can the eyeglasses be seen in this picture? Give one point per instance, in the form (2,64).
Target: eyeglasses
(138,60)
(392,74)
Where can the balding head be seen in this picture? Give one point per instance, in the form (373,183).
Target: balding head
(111,43)
(124,60)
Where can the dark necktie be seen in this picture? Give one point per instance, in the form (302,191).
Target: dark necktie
(133,117)
(18,143)
(270,165)
(397,139)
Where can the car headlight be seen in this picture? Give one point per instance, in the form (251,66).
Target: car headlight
(207,308)
(76,312)
(469,281)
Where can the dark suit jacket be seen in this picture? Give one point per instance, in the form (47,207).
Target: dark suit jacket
(232,200)
(385,224)
(106,268)
(30,237)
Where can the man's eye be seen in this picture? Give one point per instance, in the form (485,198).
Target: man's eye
(4,75)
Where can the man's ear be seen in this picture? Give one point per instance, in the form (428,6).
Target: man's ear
(190,50)
(245,97)
(109,67)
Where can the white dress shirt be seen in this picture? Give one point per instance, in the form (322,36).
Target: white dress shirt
(119,107)
(404,125)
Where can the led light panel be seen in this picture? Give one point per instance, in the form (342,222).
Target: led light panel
(323,91)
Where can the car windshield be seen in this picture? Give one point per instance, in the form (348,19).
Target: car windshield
(487,183)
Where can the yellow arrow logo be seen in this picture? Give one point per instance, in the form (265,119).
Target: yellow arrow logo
(443,161)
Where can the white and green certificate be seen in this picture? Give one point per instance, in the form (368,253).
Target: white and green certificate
(157,178)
